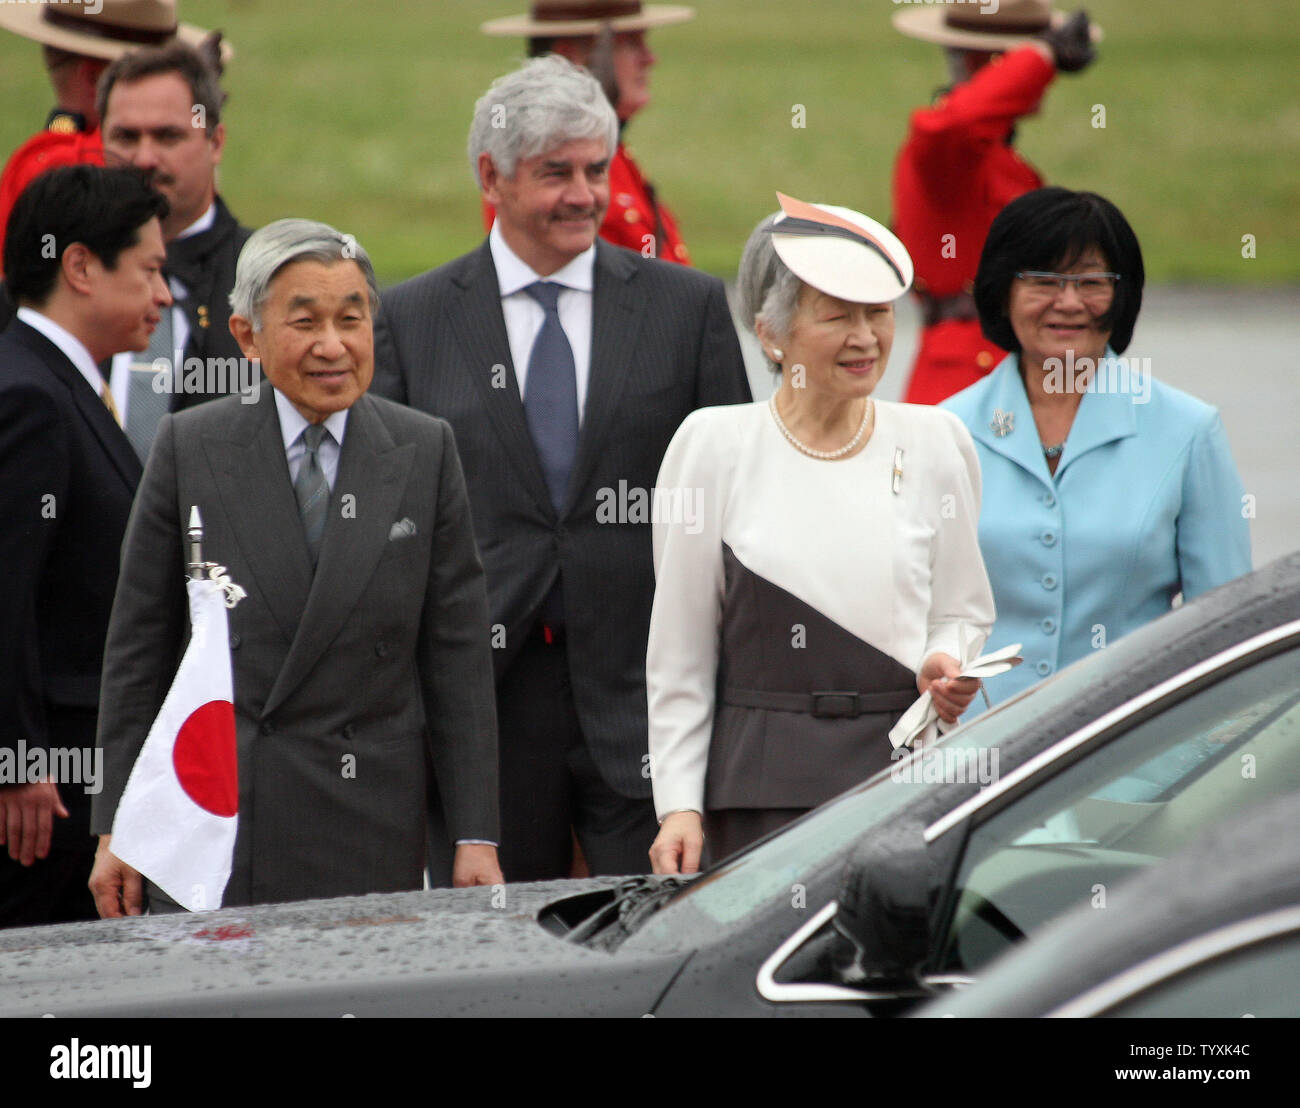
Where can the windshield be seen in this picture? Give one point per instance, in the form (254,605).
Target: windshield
(783,866)
(1214,755)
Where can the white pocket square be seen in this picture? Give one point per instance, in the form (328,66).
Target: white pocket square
(402,529)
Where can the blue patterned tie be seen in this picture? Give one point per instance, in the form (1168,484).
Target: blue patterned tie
(145,406)
(551,395)
(312,490)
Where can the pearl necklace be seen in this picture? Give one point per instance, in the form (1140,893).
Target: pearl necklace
(825,455)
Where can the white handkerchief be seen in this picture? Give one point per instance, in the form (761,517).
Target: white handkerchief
(920,725)
(402,529)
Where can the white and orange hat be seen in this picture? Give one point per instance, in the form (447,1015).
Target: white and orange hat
(841,252)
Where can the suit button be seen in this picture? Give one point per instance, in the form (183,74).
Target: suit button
(1049,500)
(268,727)
(381,650)
(1048,538)
(235,640)
(1048,626)
(349,732)
(1044,668)
(1049,581)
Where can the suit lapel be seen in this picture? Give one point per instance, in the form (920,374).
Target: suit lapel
(480,331)
(373,470)
(1006,423)
(257,497)
(92,407)
(1104,415)
(616,316)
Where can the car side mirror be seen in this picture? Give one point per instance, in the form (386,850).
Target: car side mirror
(883,911)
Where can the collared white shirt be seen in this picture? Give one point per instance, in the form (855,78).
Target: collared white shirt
(120,374)
(524,316)
(71,346)
(293,424)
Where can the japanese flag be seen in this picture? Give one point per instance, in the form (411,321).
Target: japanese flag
(178,815)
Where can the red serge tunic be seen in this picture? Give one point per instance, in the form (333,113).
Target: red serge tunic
(954,173)
(44,151)
(631,214)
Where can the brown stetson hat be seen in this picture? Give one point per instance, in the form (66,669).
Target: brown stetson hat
(553,18)
(981,24)
(102,28)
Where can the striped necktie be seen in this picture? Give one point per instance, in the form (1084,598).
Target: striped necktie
(551,395)
(106,395)
(312,490)
(145,405)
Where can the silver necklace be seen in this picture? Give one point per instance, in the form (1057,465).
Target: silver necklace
(1053,451)
(825,455)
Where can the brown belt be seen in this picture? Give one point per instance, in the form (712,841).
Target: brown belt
(821,705)
(939,309)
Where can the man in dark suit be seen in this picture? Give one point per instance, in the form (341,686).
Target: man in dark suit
(83,259)
(360,654)
(565,365)
(161,112)
(77,43)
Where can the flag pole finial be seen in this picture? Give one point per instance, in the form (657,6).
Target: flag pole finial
(195,535)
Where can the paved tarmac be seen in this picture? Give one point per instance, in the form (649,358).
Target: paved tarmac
(1238,349)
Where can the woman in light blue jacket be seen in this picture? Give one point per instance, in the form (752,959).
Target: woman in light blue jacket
(1106,493)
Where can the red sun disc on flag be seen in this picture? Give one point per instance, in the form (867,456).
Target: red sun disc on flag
(204,758)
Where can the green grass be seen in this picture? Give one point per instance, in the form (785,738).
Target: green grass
(356,113)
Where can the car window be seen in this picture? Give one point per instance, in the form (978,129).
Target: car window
(1219,751)
(1257,980)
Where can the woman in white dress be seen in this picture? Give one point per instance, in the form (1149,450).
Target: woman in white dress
(816,556)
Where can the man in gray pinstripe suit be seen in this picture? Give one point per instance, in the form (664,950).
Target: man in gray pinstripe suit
(564,366)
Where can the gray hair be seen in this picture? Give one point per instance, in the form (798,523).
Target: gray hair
(766,289)
(285,241)
(543,104)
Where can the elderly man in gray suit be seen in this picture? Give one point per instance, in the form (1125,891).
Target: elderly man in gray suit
(360,655)
(565,365)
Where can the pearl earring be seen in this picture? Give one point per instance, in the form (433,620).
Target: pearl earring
(777,355)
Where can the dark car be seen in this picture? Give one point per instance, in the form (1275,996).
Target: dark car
(1212,932)
(893,892)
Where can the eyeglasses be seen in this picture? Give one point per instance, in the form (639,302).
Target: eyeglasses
(1092,287)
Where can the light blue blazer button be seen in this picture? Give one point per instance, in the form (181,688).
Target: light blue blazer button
(1048,626)
(1049,580)
(1044,668)
(1049,538)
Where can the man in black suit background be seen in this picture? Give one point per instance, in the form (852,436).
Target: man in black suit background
(83,261)
(565,365)
(161,112)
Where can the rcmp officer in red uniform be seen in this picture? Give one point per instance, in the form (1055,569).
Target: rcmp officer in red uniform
(78,40)
(957,168)
(609,38)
